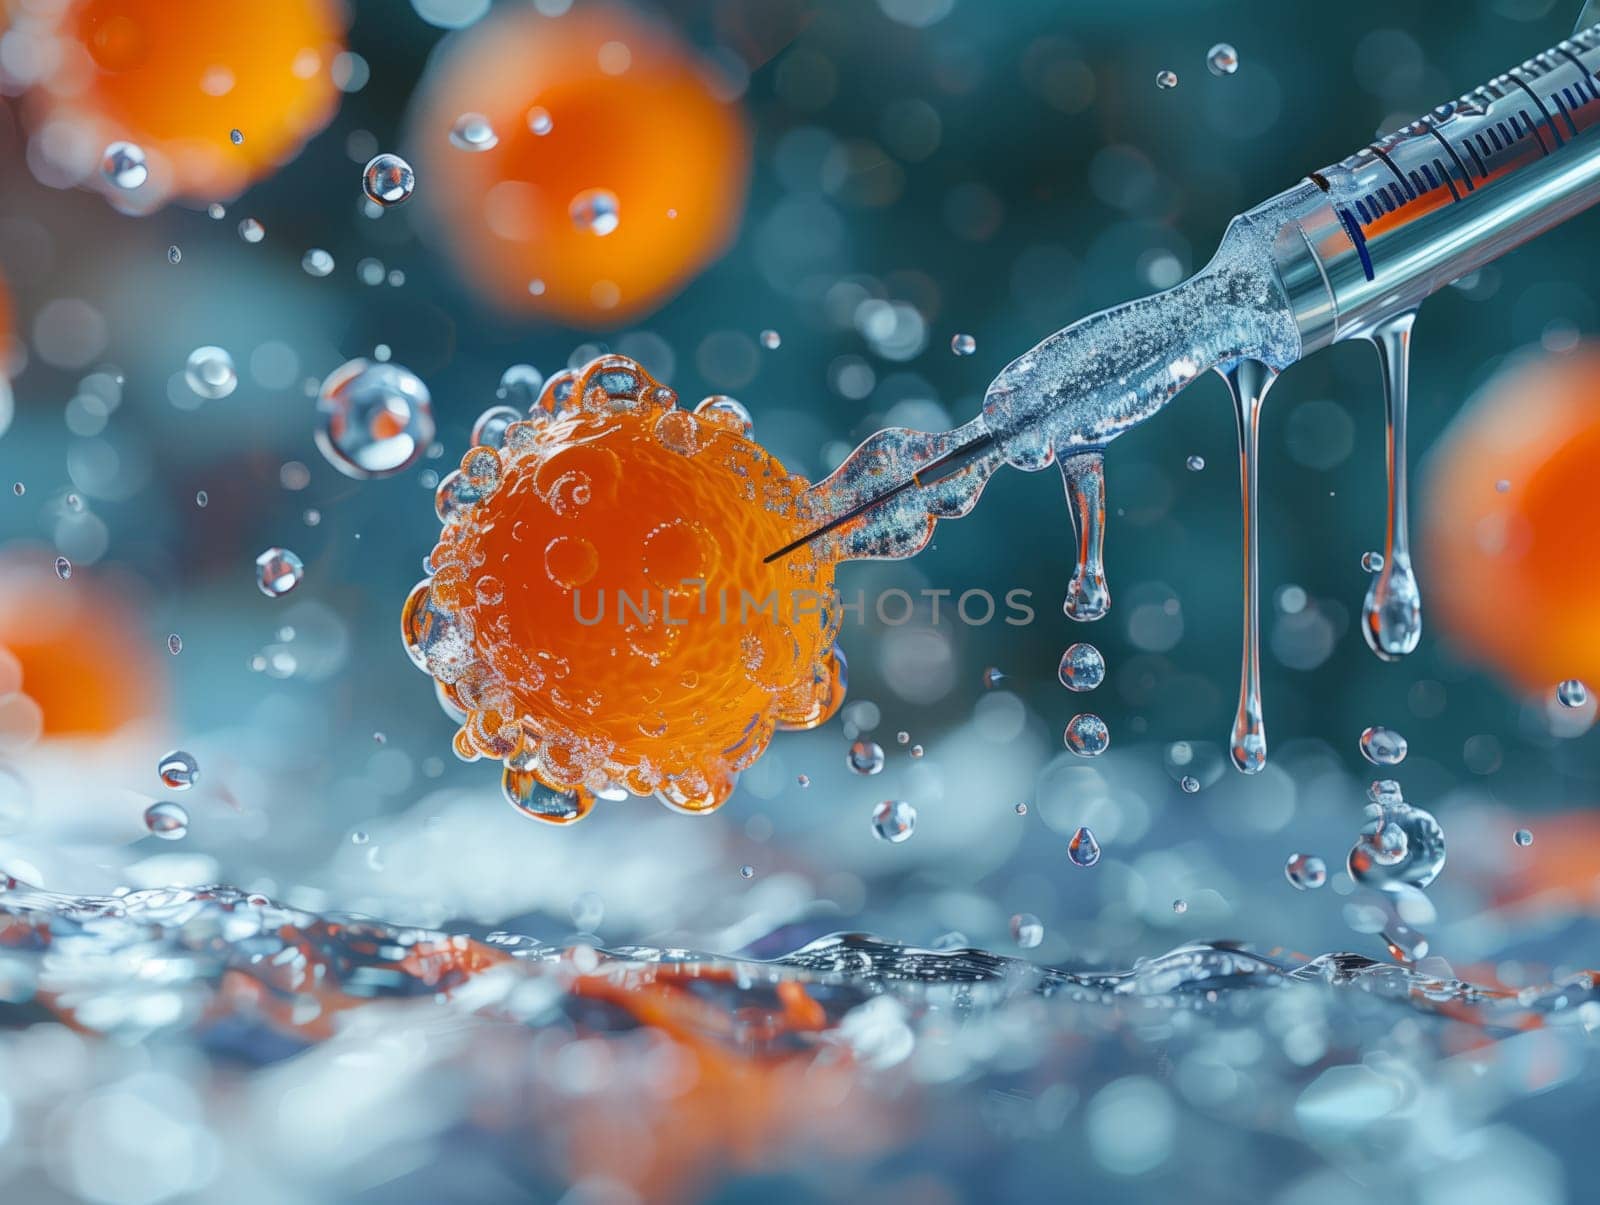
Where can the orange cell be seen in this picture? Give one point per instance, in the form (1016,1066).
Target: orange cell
(616,174)
(1512,570)
(176,77)
(83,654)
(599,615)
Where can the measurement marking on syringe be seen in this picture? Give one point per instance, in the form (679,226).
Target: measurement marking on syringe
(1449,150)
(1359,239)
(1565,115)
(1538,104)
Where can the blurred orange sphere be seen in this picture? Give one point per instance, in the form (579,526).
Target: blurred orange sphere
(1510,518)
(177,77)
(76,648)
(617,173)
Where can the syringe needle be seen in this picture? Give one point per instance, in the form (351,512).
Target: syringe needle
(934,471)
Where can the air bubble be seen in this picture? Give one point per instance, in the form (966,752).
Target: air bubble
(1166,79)
(169,821)
(1523,837)
(174,254)
(1306,872)
(472,132)
(1087,735)
(490,429)
(201,498)
(210,373)
(123,165)
(252,231)
(747,872)
(894,820)
(63,568)
(771,340)
(1180,906)
(520,386)
(1083,849)
(595,210)
(1572,693)
(1082,667)
(865,757)
(236,137)
(174,644)
(1383,746)
(278,571)
(1222,59)
(374,420)
(388,180)
(317,262)
(540,121)
(178,770)
(1372,562)
(963,345)
(1189,783)
(1195,463)
(1027,930)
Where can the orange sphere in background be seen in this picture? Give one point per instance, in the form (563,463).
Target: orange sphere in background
(615,174)
(1511,522)
(177,77)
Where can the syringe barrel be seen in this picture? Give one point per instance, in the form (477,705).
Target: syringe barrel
(1447,194)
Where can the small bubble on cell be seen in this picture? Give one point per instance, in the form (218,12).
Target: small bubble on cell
(123,165)
(168,821)
(178,770)
(63,568)
(894,820)
(963,345)
(595,210)
(472,132)
(540,121)
(520,386)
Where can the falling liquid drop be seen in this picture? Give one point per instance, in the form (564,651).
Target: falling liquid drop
(1027,930)
(1083,475)
(894,820)
(1383,746)
(1083,849)
(278,571)
(1082,667)
(1572,693)
(963,345)
(1399,846)
(388,180)
(210,373)
(1222,59)
(178,770)
(595,210)
(865,757)
(168,821)
(123,165)
(472,132)
(1391,616)
(1166,79)
(1306,872)
(1087,735)
(63,568)
(1248,382)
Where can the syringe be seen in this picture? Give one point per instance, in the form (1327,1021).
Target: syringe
(1350,252)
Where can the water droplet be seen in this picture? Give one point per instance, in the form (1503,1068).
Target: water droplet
(747,872)
(63,568)
(1383,746)
(174,254)
(894,820)
(169,821)
(209,371)
(1166,79)
(1027,930)
(1083,849)
(317,262)
(992,677)
(123,165)
(1087,735)
(1372,562)
(278,571)
(1222,59)
(595,210)
(865,757)
(252,231)
(1306,872)
(539,121)
(963,345)
(236,136)
(1180,906)
(178,770)
(1572,693)
(1082,667)
(388,180)
(201,498)
(1398,846)
(472,132)
(771,340)
(174,644)
(1189,783)
(374,420)
(1523,837)
(1195,463)
(1021,809)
